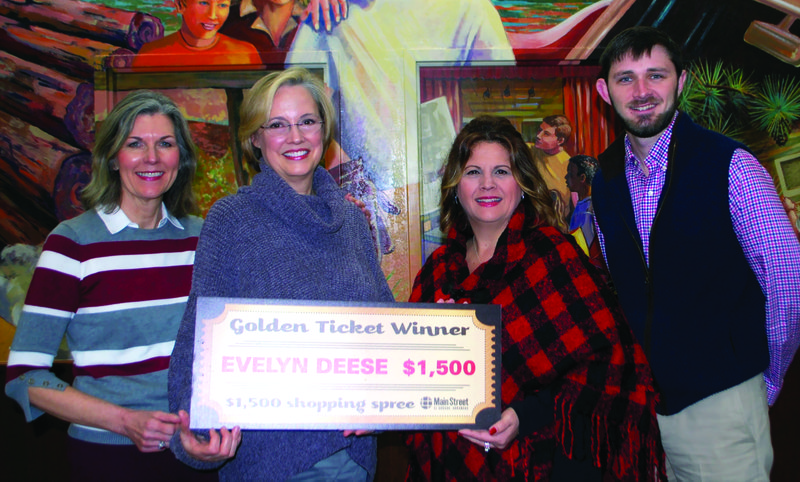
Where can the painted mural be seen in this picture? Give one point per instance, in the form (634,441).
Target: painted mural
(405,75)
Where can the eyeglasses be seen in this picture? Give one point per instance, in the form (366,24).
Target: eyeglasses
(282,129)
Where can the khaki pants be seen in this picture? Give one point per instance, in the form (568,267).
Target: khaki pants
(724,437)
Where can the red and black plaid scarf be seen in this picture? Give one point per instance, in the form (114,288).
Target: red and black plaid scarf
(564,329)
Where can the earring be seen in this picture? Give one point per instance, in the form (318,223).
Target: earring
(456,196)
(523,195)
(114,165)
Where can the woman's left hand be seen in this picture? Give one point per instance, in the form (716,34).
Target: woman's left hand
(500,435)
(357,433)
(220,445)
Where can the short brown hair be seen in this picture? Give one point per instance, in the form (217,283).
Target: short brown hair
(638,41)
(562,126)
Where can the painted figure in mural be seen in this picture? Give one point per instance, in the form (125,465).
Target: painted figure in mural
(580,173)
(270,25)
(704,262)
(312,244)
(552,159)
(792,211)
(565,363)
(373,84)
(115,280)
(198,41)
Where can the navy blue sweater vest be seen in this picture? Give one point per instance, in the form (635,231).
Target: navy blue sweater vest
(698,309)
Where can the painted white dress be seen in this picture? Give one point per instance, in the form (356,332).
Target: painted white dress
(372,59)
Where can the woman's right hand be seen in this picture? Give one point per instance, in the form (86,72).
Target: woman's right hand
(220,445)
(149,429)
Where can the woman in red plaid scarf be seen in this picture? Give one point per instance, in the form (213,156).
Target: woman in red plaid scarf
(577,393)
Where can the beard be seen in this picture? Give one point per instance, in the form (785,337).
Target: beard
(652,125)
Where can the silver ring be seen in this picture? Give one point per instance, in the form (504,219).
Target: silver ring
(486,446)
(162,445)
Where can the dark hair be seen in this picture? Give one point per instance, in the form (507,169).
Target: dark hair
(587,165)
(563,129)
(486,128)
(105,187)
(638,41)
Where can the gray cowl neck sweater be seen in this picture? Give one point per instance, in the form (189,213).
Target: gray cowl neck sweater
(269,242)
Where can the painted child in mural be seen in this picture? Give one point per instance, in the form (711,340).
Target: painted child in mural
(270,25)
(580,172)
(198,41)
(373,83)
(552,160)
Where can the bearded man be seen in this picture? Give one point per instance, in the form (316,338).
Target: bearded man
(704,261)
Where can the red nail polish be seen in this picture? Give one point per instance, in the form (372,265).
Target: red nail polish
(492,431)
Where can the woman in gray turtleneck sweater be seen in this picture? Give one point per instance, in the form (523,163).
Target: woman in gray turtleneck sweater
(289,235)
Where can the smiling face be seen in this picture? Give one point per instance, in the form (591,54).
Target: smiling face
(643,91)
(295,155)
(148,163)
(488,191)
(547,140)
(202,19)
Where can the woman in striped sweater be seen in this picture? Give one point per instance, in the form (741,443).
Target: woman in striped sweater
(115,281)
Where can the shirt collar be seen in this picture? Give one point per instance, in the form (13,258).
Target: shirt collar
(657,158)
(117,220)
(247,7)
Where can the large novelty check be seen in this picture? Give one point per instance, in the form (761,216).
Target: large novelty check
(277,364)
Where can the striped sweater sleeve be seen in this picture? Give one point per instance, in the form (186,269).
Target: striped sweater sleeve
(50,304)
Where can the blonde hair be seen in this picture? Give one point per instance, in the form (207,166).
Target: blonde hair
(257,105)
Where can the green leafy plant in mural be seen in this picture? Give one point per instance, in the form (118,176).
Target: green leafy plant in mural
(712,99)
(724,99)
(777,107)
